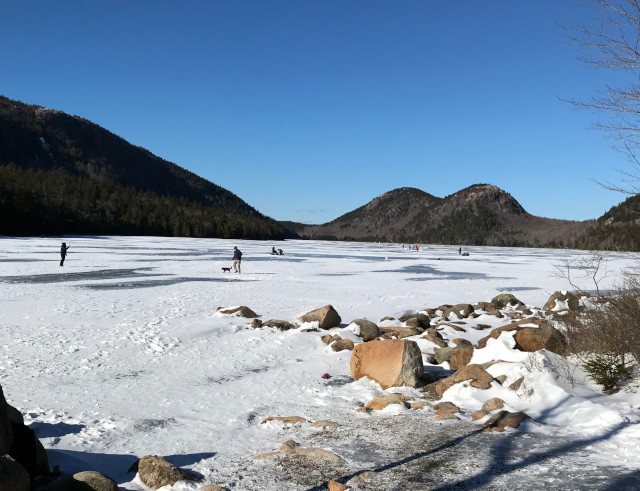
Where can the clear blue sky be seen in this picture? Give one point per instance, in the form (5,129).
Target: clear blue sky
(310,109)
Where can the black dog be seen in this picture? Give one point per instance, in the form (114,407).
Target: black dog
(226,270)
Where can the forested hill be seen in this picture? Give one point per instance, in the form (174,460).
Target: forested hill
(52,147)
(481,214)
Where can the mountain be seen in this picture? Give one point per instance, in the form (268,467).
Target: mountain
(58,146)
(617,229)
(481,214)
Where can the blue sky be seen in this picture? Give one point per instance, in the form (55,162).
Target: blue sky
(310,109)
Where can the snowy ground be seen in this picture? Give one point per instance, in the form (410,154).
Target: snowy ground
(121,354)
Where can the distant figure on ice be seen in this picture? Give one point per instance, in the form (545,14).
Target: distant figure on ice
(63,252)
(459,250)
(280,252)
(237,258)
(274,252)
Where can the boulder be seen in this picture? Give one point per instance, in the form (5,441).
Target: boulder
(324,424)
(27,450)
(460,357)
(400,332)
(368,330)
(285,419)
(460,311)
(462,343)
(418,404)
(421,320)
(442,354)
(390,363)
(343,344)
(291,449)
(479,414)
(379,403)
(503,419)
(560,301)
(495,334)
(477,376)
(256,323)
(544,337)
(279,324)
(493,404)
(95,481)
(13,477)
(501,301)
(330,338)
(242,311)
(335,486)
(435,337)
(156,472)
(516,385)
(326,317)
(446,407)
(493,310)
(6,427)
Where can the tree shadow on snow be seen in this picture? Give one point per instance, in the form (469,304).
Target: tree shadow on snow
(510,452)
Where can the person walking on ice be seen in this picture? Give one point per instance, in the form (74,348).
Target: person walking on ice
(63,252)
(237,258)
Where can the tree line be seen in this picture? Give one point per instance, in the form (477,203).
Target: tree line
(53,202)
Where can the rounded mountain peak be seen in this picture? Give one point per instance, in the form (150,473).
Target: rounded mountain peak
(488,195)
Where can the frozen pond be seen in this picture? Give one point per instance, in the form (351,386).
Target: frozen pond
(120,354)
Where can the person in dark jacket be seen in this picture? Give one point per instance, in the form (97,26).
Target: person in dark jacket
(63,252)
(237,258)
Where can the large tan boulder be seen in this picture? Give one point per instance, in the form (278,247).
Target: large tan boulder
(156,472)
(391,363)
(326,317)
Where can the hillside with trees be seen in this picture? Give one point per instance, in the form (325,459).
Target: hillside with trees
(64,174)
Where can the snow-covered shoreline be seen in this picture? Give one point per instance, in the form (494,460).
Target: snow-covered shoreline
(120,353)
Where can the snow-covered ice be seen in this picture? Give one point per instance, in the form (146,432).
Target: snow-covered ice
(121,354)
